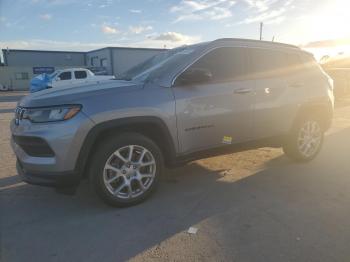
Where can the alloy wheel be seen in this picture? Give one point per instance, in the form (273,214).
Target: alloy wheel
(129,171)
(309,138)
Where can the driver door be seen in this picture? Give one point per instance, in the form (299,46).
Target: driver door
(63,79)
(218,111)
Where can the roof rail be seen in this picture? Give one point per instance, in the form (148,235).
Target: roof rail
(256,41)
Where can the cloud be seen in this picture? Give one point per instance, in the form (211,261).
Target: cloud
(174,37)
(109,30)
(135,11)
(18,22)
(276,20)
(45,17)
(267,17)
(43,44)
(167,40)
(202,9)
(328,43)
(260,5)
(54,2)
(140,29)
(267,11)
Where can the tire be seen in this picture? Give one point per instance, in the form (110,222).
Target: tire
(301,145)
(120,181)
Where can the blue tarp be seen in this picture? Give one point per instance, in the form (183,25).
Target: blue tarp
(40,82)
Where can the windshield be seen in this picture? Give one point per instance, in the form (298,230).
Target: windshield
(54,74)
(143,70)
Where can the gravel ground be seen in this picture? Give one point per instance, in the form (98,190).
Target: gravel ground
(251,206)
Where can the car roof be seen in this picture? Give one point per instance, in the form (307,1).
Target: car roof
(255,43)
(73,68)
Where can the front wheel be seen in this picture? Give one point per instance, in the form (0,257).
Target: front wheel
(305,140)
(126,169)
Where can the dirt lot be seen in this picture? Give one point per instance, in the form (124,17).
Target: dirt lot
(251,206)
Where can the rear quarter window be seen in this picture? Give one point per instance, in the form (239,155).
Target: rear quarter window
(274,63)
(295,63)
(80,74)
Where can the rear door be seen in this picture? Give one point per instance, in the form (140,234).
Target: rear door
(80,76)
(219,111)
(273,101)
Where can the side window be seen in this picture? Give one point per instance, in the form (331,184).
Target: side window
(268,63)
(224,64)
(80,74)
(294,62)
(22,76)
(65,76)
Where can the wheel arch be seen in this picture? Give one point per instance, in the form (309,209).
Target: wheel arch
(149,126)
(323,111)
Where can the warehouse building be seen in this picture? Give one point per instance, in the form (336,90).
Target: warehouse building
(37,58)
(117,60)
(22,65)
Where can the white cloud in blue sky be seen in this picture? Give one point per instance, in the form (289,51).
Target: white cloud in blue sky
(84,25)
(45,16)
(187,10)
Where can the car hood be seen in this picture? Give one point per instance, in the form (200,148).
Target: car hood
(77,94)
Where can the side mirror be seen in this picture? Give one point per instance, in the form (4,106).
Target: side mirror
(58,78)
(194,76)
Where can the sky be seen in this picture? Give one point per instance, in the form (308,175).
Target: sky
(320,26)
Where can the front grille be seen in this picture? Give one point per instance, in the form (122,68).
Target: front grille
(34,146)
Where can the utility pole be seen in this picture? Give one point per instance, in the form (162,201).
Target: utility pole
(261,29)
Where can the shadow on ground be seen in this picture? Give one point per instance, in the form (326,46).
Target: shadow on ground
(297,212)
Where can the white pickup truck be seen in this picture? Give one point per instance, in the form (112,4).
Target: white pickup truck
(66,77)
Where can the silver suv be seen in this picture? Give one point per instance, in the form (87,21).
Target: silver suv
(184,104)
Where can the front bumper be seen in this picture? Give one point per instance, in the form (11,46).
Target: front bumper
(66,179)
(47,153)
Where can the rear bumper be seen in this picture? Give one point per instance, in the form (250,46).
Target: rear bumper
(63,179)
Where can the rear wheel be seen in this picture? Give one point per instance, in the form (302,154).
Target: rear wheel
(126,169)
(305,140)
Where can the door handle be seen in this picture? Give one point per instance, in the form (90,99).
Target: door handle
(243,91)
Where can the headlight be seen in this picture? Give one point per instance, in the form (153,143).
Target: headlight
(51,114)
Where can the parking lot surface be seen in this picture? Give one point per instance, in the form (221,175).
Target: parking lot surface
(251,206)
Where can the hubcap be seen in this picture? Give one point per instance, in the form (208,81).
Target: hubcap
(309,140)
(129,171)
